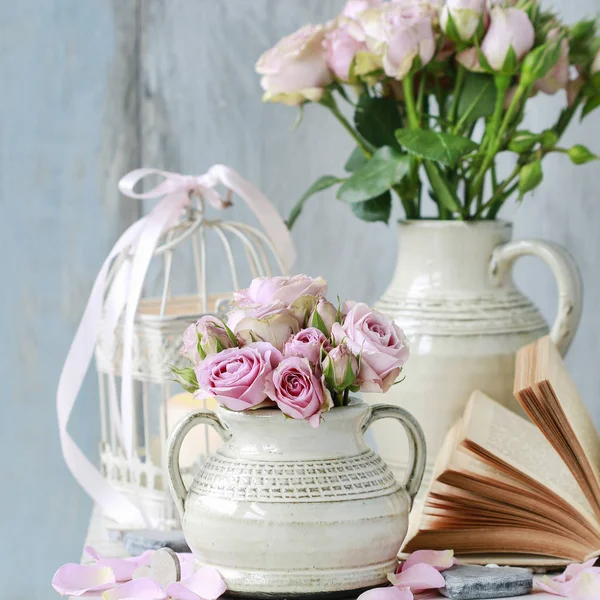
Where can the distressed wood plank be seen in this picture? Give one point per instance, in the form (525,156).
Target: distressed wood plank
(68,132)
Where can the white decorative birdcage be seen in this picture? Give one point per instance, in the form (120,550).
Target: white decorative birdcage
(157,401)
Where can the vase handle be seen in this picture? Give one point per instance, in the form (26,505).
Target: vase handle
(417,446)
(176,485)
(567,277)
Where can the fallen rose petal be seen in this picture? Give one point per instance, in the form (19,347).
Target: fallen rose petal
(138,589)
(387,593)
(187,562)
(74,580)
(439,559)
(587,586)
(204,584)
(577,582)
(575,569)
(417,578)
(123,568)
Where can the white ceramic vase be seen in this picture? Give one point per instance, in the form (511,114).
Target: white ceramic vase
(454,296)
(282,509)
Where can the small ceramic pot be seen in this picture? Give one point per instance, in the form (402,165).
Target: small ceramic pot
(287,510)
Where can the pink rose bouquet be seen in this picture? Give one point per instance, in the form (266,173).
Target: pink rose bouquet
(438,89)
(284,345)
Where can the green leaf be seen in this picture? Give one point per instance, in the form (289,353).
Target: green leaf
(444,194)
(376,119)
(383,170)
(477,99)
(580,155)
(511,62)
(324,182)
(355,160)
(317,321)
(432,145)
(375,209)
(591,104)
(530,176)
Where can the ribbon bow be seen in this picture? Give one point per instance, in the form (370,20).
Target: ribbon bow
(142,239)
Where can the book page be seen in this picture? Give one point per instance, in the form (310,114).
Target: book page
(550,368)
(497,434)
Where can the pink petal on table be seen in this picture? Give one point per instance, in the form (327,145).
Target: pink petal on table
(138,589)
(439,559)
(205,583)
(387,593)
(74,580)
(187,563)
(123,567)
(418,577)
(587,586)
(574,570)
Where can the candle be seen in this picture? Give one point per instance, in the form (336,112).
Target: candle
(201,440)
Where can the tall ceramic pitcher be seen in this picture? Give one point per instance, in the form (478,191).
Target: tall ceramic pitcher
(454,296)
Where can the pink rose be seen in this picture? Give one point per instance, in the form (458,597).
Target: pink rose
(205,336)
(295,70)
(307,343)
(341,48)
(379,342)
(508,27)
(467,16)
(269,295)
(400,33)
(353,8)
(558,77)
(297,391)
(237,377)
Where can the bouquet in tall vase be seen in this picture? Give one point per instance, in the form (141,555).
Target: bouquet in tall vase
(434,94)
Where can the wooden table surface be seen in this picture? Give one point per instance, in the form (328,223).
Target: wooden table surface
(108,545)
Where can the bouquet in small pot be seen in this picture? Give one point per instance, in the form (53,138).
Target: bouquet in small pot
(285,345)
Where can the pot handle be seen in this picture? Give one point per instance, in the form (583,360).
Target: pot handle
(416,438)
(176,485)
(567,277)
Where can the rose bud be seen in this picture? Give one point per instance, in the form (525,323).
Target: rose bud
(340,368)
(323,316)
(276,329)
(207,336)
(509,27)
(301,309)
(558,77)
(462,18)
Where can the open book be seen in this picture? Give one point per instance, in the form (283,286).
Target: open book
(504,485)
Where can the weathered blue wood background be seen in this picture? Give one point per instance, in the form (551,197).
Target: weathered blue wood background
(93,88)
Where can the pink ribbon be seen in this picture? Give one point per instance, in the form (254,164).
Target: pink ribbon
(141,240)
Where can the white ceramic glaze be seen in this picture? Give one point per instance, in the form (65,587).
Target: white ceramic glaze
(454,296)
(284,509)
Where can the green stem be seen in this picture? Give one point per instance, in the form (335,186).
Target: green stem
(499,191)
(498,127)
(406,203)
(460,78)
(409,100)
(329,102)
(566,115)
